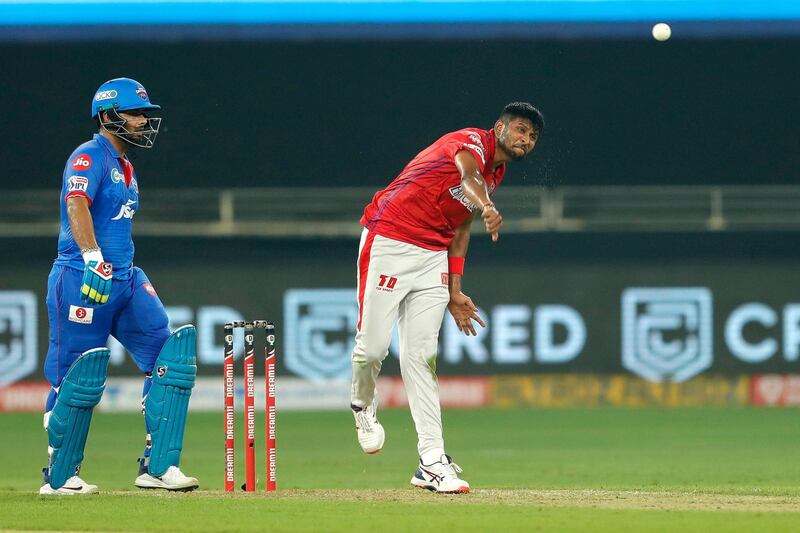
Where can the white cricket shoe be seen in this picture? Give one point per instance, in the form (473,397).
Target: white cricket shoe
(441,476)
(370,431)
(71,487)
(173,479)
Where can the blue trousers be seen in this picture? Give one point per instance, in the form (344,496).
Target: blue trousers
(134,315)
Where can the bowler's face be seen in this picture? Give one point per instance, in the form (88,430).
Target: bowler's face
(517,138)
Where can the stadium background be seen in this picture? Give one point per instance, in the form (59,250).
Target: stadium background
(331,104)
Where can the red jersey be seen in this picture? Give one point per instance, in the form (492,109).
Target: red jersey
(425,204)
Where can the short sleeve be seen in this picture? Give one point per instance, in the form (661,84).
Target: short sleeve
(82,175)
(471,142)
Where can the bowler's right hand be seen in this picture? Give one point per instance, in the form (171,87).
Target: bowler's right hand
(96,287)
(494,221)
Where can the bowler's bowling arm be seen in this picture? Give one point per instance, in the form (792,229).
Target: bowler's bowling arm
(472,182)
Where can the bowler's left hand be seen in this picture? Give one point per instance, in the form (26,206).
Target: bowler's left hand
(464,312)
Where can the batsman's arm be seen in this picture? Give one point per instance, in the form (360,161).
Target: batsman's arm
(474,187)
(80,222)
(97,274)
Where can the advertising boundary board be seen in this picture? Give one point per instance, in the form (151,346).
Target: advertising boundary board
(504,392)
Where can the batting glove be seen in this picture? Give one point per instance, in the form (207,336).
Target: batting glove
(96,287)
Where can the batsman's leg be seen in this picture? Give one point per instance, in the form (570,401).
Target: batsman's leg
(168,362)
(165,409)
(74,332)
(68,422)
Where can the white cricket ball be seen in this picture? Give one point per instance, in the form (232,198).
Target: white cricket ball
(661,32)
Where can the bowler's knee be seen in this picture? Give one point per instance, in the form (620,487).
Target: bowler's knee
(369,350)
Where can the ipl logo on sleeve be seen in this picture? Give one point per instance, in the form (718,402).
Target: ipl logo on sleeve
(320,327)
(18,357)
(77,184)
(667,332)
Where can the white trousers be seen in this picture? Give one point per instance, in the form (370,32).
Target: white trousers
(404,284)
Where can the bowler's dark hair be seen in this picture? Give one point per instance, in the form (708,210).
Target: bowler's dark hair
(523,110)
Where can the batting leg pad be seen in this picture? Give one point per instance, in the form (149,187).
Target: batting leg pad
(68,424)
(167,401)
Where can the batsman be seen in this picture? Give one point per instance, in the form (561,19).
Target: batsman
(94,291)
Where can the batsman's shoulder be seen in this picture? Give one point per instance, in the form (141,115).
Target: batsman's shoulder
(91,147)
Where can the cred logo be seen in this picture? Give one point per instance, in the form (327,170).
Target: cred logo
(18,352)
(320,325)
(82,162)
(666,332)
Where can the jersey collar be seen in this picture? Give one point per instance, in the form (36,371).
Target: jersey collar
(492,146)
(105,143)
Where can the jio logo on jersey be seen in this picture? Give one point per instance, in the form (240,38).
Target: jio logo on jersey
(82,162)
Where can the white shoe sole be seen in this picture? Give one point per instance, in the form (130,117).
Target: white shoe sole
(372,451)
(421,484)
(47,490)
(374,448)
(146,481)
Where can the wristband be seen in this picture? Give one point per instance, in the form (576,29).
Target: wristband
(92,254)
(486,205)
(455,265)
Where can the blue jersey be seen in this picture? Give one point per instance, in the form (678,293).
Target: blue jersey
(96,171)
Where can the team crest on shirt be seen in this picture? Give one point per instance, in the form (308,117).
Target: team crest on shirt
(117,176)
(445,279)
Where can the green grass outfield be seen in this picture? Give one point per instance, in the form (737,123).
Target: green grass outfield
(605,469)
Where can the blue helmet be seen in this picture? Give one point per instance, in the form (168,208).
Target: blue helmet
(125,94)
(121,94)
